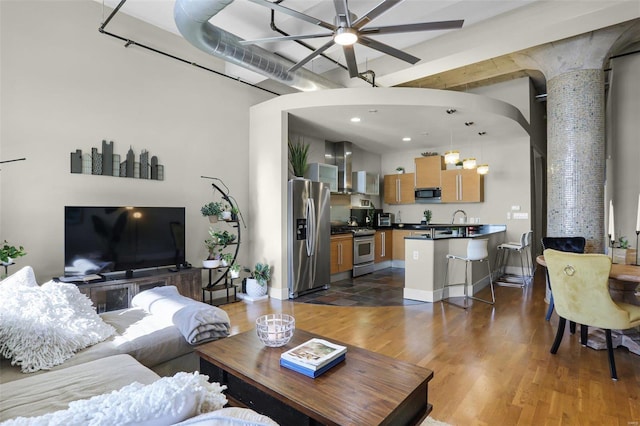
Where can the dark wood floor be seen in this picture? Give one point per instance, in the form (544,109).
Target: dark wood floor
(492,363)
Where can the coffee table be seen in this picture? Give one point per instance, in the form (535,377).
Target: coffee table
(366,389)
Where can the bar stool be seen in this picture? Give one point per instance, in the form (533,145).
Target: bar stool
(522,248)
(476,252)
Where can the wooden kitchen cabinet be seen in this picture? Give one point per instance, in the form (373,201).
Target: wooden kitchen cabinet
(398,243)
(383,245)
(399,188)
(462,186)
(428,170)
(341,253)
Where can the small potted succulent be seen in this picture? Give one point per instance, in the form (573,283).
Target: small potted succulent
(226,259)
(427,216)
(257,282)
(234,270)
(213,210)
(8,253)
(400,170)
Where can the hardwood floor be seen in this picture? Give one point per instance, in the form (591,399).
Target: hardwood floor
(491,364)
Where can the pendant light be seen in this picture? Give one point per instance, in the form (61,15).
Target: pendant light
(452,156)
(482,169)
(469,163)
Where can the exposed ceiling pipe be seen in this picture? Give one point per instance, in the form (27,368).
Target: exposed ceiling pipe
(192,19)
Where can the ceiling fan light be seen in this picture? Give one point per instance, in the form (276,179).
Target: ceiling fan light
(469,163)
(345,36)
(483,169)
(451,157)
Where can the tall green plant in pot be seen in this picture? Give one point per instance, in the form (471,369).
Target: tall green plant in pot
(298,154)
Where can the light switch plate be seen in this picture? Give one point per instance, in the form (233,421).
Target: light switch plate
(521,215)
(515,208)
(415,255)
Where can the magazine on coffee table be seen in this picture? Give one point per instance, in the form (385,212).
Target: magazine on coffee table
(313,354)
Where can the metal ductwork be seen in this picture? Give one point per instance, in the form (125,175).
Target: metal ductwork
(192,18)
(339,154)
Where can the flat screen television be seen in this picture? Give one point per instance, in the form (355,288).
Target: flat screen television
(100,240)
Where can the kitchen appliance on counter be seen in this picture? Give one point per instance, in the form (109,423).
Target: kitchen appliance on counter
(428,195)
(363,251)
(385,220)
(309,245)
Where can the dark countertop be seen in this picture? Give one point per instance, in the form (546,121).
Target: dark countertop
(442,233)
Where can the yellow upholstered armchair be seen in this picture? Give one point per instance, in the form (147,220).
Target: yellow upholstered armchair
(580,285)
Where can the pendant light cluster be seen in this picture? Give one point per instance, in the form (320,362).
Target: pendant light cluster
(453,156)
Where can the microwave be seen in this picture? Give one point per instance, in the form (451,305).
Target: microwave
(428,195)
(385,219)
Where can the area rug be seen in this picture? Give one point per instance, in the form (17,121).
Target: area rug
(381,288)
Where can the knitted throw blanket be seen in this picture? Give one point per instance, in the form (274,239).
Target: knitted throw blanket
(164,402)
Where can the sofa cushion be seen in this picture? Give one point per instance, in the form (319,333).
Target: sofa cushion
(230,416)
(22,277)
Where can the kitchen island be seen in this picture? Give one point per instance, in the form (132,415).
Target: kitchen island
(425,259)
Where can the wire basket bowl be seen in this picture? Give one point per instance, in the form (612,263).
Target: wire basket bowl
(275,330)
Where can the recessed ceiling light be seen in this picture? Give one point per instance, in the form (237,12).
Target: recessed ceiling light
(406,139)
(482,133)
(373,111)
(355,119)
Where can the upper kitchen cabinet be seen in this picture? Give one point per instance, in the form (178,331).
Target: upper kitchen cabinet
(366,183)
(399,188)
(462,186)
(327,173)
(428,171)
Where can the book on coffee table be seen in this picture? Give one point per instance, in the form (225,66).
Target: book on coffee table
(313,354)
(308,371)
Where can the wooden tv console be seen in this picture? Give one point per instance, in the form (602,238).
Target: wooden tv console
(113,294)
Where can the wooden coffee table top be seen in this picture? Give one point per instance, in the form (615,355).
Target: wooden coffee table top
(366,389)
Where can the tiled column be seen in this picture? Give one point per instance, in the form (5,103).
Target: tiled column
(576,156)
(575,132)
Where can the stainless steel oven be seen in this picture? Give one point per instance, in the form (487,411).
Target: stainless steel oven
(363,251)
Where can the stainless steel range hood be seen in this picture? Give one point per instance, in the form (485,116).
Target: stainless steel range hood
(339,154)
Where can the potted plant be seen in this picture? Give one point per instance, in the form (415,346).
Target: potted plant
(234,270)
(212,210)
(226,259)
(400,170)
(298,153)
(216,243)
(9,253)
(234,213)
(459,165)
(257,282)
(427,216)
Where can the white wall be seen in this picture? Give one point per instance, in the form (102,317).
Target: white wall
(65,86)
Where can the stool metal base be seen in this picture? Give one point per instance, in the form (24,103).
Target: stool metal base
(465,305)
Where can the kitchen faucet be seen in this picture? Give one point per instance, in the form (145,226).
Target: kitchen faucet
(453,216)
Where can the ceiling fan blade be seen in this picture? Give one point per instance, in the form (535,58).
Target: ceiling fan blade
(285,38)
(385,48)
(294,13)
(374,13)
(313,55)
(342,10)
(407,28)
(350,57)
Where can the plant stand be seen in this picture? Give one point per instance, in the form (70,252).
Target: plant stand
(222,281)
(227,285)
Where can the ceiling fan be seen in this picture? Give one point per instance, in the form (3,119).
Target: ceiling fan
(349,29)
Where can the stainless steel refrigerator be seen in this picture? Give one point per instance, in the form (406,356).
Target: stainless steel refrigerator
(309,236)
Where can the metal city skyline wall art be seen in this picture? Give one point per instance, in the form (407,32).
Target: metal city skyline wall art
(106,163)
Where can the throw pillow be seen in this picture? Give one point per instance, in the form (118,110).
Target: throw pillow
(165,402)
(23,277)
(41,327)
